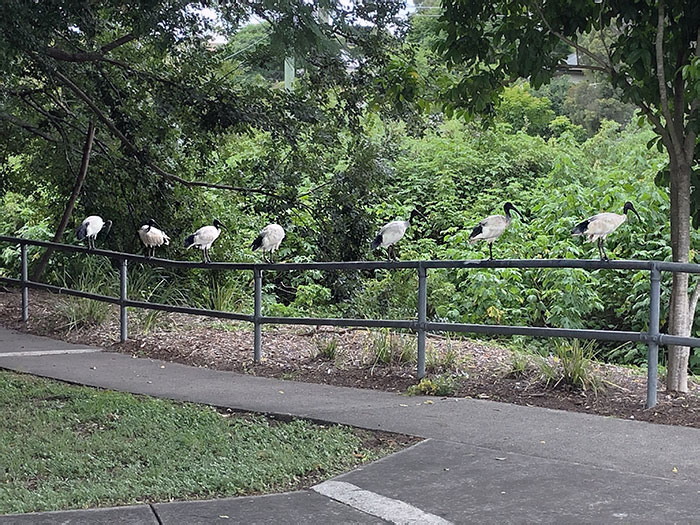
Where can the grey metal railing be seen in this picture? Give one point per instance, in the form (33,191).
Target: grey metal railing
(653,338)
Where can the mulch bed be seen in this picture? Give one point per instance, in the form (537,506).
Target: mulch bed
(482,368)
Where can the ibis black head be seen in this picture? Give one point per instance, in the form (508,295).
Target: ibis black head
(217,224)
(628,207)
(415,212)
(106,228)
(152,222)
(509,206)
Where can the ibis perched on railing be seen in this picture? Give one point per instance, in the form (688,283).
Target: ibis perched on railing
(204,238)
(600,226)
(90,227)
(152,237)
(390,234)
(269,239)
(493,226)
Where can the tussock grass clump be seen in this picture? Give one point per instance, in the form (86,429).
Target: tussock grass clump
(390,348)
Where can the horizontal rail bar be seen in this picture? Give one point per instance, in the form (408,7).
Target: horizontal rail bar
(603,335)
(66,291)
(589,264)
(666,339)
(367,323)
(188,310)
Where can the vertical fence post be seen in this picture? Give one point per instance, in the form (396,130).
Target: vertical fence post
(257,314)
(123,319)
(25,288)
(653,345)
(422,318)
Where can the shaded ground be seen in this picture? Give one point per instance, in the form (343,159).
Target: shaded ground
(359,358)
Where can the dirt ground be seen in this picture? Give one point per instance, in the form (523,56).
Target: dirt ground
(349,358)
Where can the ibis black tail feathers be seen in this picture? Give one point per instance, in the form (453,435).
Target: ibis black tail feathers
(376,242)
(81,232)
(257,243)
(476,231)
(189,241)
(580,228)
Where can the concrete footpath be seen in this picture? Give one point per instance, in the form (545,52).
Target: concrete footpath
(481,461)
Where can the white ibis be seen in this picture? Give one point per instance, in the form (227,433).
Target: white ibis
(204,238)
(152,237)
(90,227)
(493,226)
(269,239)
(390,234)
(600,226)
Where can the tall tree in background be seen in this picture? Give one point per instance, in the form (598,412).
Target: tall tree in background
(651,52)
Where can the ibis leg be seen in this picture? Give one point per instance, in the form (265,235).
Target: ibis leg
(490,251)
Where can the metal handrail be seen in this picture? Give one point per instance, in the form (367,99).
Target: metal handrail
(420,325)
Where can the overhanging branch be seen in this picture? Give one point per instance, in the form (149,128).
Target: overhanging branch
(28,126)
(141,155)
(88,56)
(604,66)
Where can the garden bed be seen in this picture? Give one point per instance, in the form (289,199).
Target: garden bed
(366,359)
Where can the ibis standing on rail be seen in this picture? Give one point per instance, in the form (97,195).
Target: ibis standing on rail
(493,226)
(600,226)
(390,234)
(269,239)
(90,227)
(204,238)
(152,237)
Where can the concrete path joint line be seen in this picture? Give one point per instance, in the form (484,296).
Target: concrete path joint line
(38,353)
(392,510)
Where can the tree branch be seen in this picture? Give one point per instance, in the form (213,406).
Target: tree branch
(28,126)
(88,56)
(661,77)
(575,45)
(141,155)
(571,67)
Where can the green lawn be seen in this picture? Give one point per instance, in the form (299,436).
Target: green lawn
(63,446)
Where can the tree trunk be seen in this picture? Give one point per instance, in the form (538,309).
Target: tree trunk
(71,202)
(680,317)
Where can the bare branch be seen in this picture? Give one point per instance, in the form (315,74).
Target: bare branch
(572,67)
(88,56)
(28,126)
(118,42)
(575,45)
(141,155)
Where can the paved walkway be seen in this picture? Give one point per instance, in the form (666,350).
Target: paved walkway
(481,461)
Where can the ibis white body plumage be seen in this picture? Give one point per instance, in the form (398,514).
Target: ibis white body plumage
(492,227)
(203,239)
(598,227)
(152,237)
(388,235)
(269,239)
(90,227)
